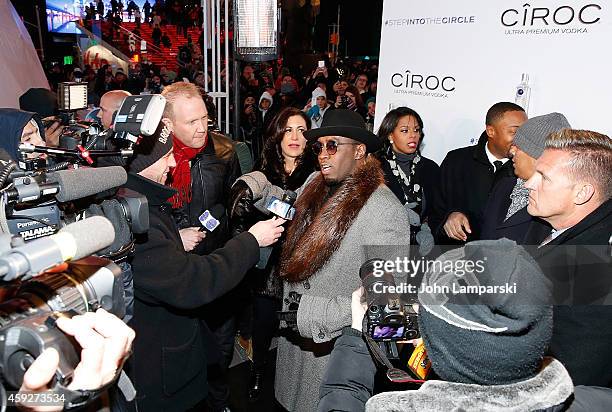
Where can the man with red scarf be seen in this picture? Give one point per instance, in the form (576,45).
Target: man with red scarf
(203,182)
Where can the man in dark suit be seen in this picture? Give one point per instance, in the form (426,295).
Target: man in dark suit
(469,173)
(505,214)
(571,189)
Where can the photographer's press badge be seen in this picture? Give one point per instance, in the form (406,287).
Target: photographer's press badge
(419,363)
(208,221)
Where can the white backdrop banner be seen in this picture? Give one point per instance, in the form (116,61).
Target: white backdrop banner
(452,60)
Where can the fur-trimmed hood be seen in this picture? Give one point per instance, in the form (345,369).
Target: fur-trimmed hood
(321,222)
(545,391)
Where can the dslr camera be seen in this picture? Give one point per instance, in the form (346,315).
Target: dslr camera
(390,317)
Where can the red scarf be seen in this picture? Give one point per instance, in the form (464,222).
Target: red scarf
(181,174)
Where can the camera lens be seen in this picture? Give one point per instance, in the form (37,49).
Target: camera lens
(374,309)
(411,334)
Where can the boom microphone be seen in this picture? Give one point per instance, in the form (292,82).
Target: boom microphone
(75,184)
(67,185)
(73,242)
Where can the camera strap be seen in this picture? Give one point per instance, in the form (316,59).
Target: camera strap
(394,374)
(74,399)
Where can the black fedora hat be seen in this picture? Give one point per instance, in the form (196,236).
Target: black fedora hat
(345,123)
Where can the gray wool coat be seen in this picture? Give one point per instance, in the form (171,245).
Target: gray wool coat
(325,307)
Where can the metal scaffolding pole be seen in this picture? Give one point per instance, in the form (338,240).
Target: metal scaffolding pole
(212,40)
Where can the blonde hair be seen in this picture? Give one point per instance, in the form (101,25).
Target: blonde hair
(176,90)
(590,157)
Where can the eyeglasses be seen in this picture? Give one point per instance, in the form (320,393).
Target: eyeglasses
(331,147)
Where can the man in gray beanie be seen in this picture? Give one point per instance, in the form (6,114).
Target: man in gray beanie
(487,351)
(506,210)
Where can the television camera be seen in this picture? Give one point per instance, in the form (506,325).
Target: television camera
(43,280)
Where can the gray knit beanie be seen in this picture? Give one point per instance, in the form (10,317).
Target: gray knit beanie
(530,137)
(493,339)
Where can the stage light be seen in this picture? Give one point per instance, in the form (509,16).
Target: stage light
(256,29)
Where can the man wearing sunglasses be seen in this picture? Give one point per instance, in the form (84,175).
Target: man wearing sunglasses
(339,210)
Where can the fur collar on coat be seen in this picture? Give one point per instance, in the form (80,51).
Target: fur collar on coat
(321,222)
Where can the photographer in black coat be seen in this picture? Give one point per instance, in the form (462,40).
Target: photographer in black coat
(169,351)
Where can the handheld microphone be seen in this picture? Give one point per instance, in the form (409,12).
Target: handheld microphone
(73,242)
(210,219)
(260,187)
(282,208)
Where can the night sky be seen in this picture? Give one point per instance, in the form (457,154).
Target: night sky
(360,25)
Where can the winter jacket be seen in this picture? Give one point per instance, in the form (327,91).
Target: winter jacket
(211,180)
(349,381)
(579,263)
(494,223)
(170,285)
(467,177)
(325,306)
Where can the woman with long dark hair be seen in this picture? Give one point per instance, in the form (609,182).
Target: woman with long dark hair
(412,177)
(286,163)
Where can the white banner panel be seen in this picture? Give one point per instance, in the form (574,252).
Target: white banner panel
(452,60)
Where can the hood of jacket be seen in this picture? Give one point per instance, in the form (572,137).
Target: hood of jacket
(12,122)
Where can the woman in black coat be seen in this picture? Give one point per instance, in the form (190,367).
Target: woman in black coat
(412,177)
(286,163)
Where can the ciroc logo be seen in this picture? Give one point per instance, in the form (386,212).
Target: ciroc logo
(561,15)
(424,82)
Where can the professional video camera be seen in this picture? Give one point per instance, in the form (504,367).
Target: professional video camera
(85,142)
(27,201)
(38,204)
(388,318)
(38,287)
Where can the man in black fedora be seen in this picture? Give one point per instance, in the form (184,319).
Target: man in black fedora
(339,210)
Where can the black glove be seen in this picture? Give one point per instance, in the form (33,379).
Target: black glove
(241,200)
(290,315)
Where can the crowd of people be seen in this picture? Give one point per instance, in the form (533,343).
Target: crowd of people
(158,12)
(265,88)
(534,181)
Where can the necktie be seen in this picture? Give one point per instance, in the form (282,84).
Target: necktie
(498,164)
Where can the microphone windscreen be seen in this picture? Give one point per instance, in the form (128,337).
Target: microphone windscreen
(75,184)
(83,234)
(217,211)
(257,182)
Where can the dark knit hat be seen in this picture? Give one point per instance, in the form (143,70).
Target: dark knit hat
(530,137)
(39,100)
(148,151)
(491,339)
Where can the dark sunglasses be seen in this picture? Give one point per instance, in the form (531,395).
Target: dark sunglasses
(331,147)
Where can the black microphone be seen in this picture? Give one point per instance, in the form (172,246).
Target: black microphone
(73,242)
(282,208)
